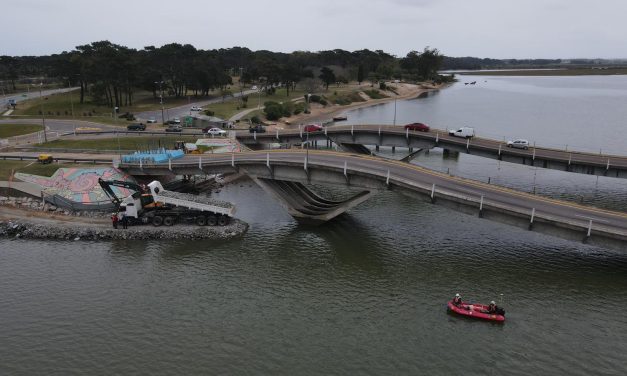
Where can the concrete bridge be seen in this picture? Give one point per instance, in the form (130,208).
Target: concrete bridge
(284,173)
(352,138)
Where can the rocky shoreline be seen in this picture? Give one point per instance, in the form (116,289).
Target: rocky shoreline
(30,229)
(27,218)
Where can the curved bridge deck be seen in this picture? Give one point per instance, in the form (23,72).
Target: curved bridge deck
(558,218)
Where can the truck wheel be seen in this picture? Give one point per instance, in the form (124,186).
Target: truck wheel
(168,221)
(201,220)
(157,220)
(212,220)
(223,220)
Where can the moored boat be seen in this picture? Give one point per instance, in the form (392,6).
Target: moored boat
(340,118)
(476,310)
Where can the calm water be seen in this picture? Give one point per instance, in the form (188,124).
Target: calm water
(364,294)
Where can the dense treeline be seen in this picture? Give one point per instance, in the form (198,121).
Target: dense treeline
(110,73)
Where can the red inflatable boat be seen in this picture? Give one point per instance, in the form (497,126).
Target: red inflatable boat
(475,310)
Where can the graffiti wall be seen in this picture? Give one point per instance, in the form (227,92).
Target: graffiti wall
(79,184)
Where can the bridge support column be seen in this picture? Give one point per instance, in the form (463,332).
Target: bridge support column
(376,147)
(393,149)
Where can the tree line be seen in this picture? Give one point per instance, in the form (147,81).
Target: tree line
(110,73)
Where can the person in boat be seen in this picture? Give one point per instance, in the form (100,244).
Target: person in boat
(492,308)
(457,300)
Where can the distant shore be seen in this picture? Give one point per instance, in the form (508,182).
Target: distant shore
(548,72)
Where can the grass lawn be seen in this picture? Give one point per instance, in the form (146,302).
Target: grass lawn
(31,167)
(232,106)
(10,130)
(123,143)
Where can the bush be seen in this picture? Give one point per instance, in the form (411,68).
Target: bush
(375,94)
(323,101)
(273,110)
(299,107)
(315,98)
(382,85)
(255,120)
(209,113)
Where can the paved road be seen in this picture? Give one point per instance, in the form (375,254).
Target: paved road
(63,125)
(404,172)
(184,110)
(34,93)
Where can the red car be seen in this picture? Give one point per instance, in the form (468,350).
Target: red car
(312,128)
(417,127)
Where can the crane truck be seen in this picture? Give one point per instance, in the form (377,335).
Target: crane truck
(156,205)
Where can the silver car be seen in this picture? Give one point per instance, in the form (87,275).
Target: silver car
(518,144)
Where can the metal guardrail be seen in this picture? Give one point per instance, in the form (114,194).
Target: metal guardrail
(74,160)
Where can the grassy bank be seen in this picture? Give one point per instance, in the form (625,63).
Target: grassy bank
(551,72)
(10,130)
(30,167)
(121,143)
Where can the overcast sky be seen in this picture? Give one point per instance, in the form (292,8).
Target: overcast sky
(481,28)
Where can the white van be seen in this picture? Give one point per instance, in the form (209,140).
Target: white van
(465,132)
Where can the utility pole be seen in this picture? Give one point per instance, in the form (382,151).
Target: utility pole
(43,114)
(161,100)
(394,110)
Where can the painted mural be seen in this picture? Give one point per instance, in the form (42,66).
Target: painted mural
(79,184)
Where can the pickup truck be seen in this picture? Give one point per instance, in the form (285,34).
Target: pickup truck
(136,127)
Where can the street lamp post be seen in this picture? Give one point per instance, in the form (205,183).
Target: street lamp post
(394,110)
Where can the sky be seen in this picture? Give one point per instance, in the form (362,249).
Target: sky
(481,28)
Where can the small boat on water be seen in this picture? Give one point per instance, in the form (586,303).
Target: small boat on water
(340,118)
(476,310)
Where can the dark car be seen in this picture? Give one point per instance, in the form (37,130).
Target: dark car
(136,127)
(417,127)
(257,129)
(174,128)
(312,128)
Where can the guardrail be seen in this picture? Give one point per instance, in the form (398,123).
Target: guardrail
(73,160)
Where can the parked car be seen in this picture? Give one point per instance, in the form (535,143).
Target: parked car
(196,108)
(151,120)
(215,131)
(465,132)
(45,158)
(176,121)
(257,129)
(136,127)
(417,127)
(518,144)
(174,128)
(312,128)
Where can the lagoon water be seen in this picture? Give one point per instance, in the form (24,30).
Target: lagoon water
(364,294)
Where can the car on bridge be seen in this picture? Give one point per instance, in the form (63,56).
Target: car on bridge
(418,127)
(214,131)
(174,128)
(518,144)
(136,127)
(257,129)
(312,128)
(465,132)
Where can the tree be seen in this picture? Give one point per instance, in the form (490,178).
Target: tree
(425,64)
(360,74)
(327,76)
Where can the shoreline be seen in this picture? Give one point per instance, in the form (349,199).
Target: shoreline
(321,114)
(19,223)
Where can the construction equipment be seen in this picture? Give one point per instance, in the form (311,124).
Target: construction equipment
(156,205)
(45,158)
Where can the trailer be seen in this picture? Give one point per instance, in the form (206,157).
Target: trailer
(177,206)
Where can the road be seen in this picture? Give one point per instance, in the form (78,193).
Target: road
(34,93)
(184,110)
(404,172)
(442,136)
